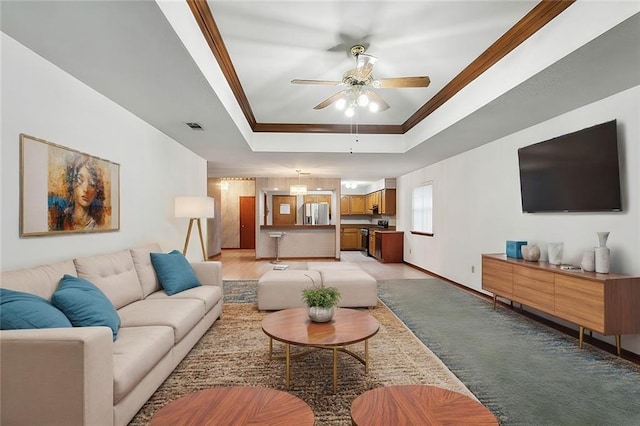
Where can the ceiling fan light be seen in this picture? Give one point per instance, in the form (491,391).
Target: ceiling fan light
(349,112)
(341,103)
(374,107)
(363,100)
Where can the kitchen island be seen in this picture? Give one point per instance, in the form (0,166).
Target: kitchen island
(299,241)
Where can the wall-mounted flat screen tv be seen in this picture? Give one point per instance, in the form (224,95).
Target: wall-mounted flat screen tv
(577,172)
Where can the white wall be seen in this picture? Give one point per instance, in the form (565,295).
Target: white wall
(43,101)
(477,202)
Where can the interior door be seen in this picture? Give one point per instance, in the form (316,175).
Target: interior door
(284,209)
(247,222)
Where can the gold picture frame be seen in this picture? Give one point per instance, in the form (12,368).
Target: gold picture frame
(64,191)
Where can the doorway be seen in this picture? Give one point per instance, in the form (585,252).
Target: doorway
(284,209)
(247,222)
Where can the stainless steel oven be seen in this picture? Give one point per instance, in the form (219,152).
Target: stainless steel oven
(364,241)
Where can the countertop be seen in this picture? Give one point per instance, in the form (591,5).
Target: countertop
(294,227)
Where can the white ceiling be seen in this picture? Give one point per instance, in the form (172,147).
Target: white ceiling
(151,58)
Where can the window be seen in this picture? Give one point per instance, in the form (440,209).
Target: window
(422,209)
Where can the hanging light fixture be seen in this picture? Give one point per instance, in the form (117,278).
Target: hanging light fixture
(356,98)
(298,189)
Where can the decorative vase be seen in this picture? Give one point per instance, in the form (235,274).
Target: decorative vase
(602,260)
(555,252)
(318,314)
(602,238)
(588,262)
(530,252)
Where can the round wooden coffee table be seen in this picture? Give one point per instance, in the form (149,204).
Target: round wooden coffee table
(293,327)
(235,406)
(418,405)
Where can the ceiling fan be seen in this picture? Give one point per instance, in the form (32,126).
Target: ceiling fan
(360,82)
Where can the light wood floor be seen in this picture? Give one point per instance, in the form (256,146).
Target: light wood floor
(238,264)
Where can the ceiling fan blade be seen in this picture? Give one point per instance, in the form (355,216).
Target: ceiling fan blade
(325,82)
(374,97)
(331,99)
(391,83)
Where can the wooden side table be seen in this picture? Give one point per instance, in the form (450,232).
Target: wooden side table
(418,405)
(238,405)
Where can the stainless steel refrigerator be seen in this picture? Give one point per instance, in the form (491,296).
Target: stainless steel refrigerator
(316,213)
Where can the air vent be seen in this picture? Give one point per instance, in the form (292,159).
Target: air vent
(194,126)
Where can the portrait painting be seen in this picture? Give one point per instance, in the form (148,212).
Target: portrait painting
(66,191)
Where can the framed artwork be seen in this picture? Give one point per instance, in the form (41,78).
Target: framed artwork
(66,191)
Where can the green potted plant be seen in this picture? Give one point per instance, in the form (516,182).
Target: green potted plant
(321,301)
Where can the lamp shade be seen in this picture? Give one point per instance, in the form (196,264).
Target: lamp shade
(193,207)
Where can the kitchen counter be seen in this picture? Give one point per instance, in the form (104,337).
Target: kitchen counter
(299,241)
(294,227)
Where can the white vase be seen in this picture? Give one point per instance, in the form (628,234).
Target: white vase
(602,260)
(588,261)
(555,252)
(602,238)
(318,314)
(530,252)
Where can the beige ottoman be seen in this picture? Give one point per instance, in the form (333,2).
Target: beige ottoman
(283,289)
(357,288)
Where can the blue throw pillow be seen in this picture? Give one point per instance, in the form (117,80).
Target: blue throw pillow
(174,272)
(20,310)
(85,305)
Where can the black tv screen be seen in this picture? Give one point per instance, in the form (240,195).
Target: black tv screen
(577,172)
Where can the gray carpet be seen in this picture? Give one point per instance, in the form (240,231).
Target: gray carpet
(524,372)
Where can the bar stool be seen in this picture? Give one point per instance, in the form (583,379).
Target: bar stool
(277,236)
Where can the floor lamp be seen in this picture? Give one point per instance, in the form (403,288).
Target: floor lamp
(194,208)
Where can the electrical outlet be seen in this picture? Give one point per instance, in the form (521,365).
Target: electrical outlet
(409,251)
(473,269)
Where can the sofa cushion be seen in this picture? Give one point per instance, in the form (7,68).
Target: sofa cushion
(356,287)
(146,273)
(114,274)
(85,305)
(40,280)
(174,272)
(209,295)
(180,314)
(136,352)
(283,289)
(20,310)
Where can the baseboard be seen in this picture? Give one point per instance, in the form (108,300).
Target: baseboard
(626,354)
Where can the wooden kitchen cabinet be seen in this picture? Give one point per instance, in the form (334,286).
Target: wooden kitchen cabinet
(605,303)
(356,204)
(387,202)
(389,246)
(372,242)
(352,204)
(349,238)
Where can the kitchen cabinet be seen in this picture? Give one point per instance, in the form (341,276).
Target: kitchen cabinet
(372,242)
(387,204)
(605,303)
(352,204)
(356,204)
(349,238)
(389,246)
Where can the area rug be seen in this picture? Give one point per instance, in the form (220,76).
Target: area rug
(526,373)
(234,352)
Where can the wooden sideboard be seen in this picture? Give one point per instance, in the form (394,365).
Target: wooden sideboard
(605,303)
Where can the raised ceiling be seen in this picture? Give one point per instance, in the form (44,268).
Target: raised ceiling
(234,79)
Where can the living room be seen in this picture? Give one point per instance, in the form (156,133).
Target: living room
(476,193)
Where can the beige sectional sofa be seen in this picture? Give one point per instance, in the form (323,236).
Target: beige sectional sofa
(79,375)
(283,289)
